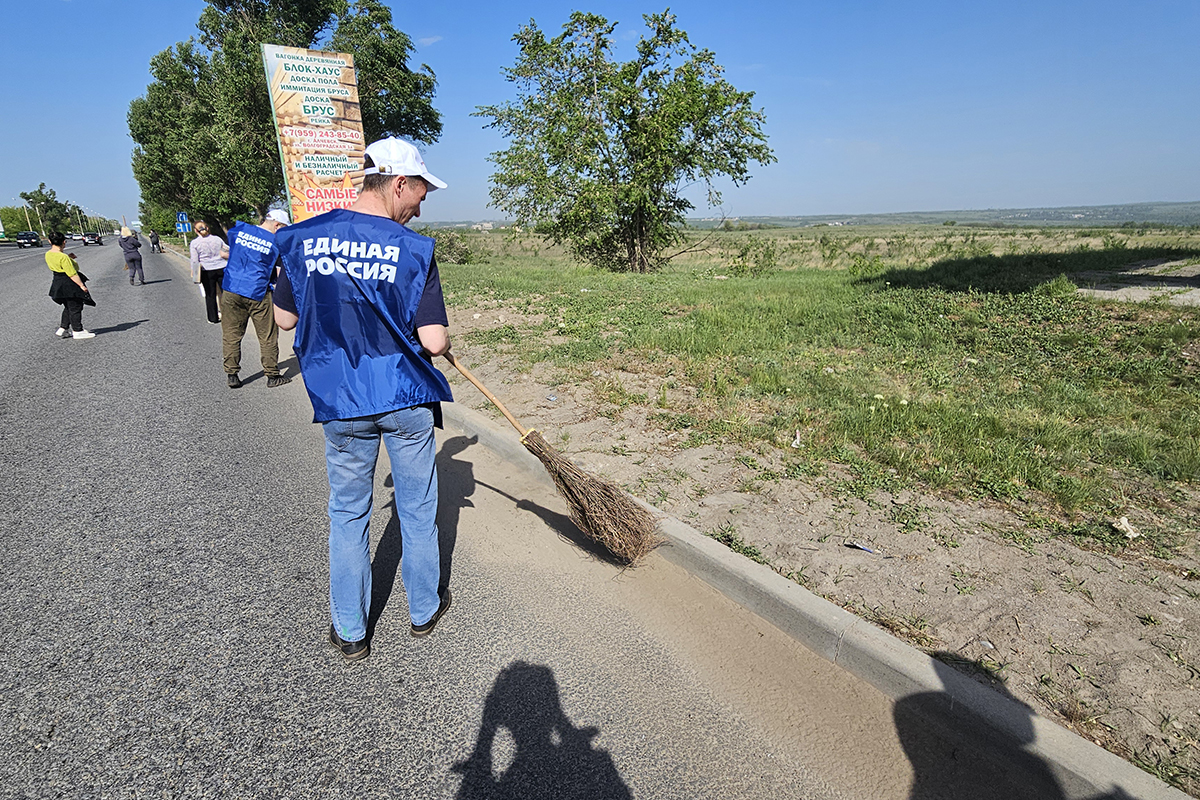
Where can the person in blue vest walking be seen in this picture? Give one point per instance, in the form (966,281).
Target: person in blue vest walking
(246,297)
(363,294)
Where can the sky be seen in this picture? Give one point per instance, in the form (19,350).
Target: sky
(871,107)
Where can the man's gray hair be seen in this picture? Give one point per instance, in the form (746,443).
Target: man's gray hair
(377,182)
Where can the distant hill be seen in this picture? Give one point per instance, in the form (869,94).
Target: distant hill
(1162,213)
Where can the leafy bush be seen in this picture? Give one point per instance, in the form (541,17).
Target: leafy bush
(1111,242)
(454,247)
(756,257)
(860,265)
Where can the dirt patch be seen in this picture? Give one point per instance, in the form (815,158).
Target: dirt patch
(1105,644)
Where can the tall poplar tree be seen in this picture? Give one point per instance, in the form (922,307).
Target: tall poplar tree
(203,130)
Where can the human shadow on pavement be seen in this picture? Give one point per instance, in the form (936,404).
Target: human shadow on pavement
(160,280)
(290,367)
(120,328)
(456,483)
(957,753)
(544,755)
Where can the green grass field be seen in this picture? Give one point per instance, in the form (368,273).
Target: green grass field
(954,358)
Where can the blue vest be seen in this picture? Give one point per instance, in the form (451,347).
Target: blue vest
(357,280)
(252,255)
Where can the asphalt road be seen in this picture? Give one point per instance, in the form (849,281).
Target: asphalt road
(165,605)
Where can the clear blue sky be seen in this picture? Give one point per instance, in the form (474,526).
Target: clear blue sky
(871,106)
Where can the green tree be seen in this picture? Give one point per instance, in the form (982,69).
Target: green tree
(204,135)
(55,214)
(157,218)
(600,150)
(394,99)
(78,219)
(13,219)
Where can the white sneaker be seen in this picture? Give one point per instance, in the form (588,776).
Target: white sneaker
(61,333)
(83,335)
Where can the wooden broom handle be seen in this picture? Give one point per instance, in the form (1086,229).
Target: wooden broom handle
(467,374)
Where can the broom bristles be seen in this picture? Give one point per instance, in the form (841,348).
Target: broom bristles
(599,507)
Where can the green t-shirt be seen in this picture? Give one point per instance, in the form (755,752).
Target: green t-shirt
(61,262)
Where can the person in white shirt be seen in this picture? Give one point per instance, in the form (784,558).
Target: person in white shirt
(209,255)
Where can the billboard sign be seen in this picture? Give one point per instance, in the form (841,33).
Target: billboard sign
(318,124)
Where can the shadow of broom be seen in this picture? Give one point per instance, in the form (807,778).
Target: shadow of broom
(600,508)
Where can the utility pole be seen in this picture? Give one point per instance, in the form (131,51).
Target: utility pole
(38,210)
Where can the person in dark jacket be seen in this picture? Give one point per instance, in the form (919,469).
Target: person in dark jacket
(133,259)
(155,247)
(68,288)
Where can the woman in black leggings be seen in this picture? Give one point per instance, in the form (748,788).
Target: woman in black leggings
(133,259)
(68,288)
(209,255)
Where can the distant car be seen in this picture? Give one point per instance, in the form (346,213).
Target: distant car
(28,239)
(92,238)
(75,236)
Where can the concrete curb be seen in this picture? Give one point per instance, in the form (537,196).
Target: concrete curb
(892,666)
(169,249)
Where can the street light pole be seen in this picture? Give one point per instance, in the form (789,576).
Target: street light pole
(25,206)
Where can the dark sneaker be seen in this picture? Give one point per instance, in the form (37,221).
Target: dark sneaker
(427,628)
(277,380)
(351,651)
(234,381)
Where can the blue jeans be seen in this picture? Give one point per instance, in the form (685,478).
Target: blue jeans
(351,450)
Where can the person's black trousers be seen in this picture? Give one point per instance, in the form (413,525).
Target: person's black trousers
(72,316)
(210,279)
(135,269)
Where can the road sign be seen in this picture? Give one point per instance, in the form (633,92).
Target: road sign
(183,227)
(181,217)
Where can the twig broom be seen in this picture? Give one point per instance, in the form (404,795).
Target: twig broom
(599,507)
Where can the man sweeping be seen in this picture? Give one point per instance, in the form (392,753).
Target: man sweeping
(246,297)
(363,294)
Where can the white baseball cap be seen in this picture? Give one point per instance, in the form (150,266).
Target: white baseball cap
(279,215)
(394,156)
